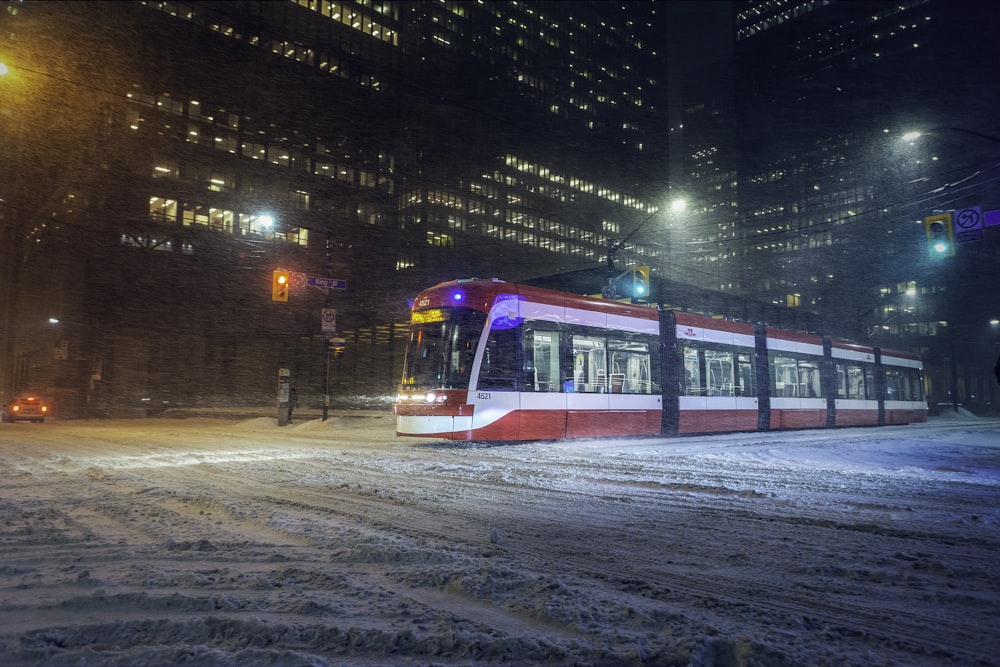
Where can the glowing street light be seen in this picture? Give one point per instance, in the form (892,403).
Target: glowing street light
(913,135)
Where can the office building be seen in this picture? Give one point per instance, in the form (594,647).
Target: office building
(172,155)
(847,125)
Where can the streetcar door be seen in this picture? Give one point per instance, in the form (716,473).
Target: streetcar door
(543,371)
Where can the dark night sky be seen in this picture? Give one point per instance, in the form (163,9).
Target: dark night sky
(699,32)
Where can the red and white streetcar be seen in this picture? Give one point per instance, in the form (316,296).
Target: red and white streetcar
(490,360)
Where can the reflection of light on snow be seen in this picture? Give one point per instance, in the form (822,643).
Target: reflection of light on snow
(861,454)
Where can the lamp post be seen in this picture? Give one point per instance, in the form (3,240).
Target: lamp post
(677,205)
(10,235)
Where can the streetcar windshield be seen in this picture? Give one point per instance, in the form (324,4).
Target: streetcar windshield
(442,348)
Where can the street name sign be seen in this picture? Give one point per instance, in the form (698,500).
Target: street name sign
(327,283)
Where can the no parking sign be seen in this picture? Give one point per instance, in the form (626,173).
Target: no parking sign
(328,320)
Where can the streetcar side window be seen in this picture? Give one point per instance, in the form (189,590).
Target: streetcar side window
(691,380)
(784,376)
(590,368)
(809,377)
(498,369)
(719,372)
(916,385)
(541,361)
(631,365)
(893,387)
(848,379)
(796,377)
(746,384)
(716,370)
(855,381)
(903,384)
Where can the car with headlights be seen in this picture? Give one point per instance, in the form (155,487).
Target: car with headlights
(28,407)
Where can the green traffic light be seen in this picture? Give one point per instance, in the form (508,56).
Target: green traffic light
(939,235)
(640,282)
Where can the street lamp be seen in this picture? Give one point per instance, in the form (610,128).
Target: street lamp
(913,135)
(677,205)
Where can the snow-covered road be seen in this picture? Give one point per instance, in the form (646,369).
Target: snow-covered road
(215,542)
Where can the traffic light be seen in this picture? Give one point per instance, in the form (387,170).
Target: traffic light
(940,235)
(279,286)
(640,282)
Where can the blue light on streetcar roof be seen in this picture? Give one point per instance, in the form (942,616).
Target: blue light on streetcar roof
(457,296)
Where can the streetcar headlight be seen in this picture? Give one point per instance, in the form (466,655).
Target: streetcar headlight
(430,397)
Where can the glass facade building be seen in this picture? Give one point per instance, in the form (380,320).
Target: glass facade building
(841,127)
(172,155)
